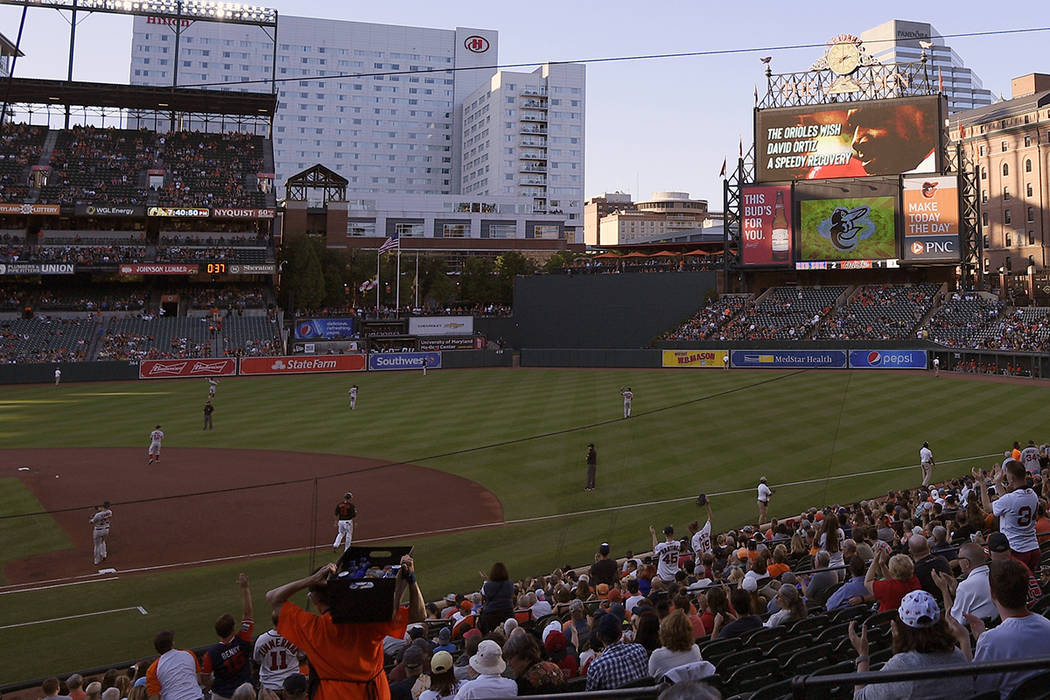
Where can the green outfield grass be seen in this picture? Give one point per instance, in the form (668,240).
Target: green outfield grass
(520,433)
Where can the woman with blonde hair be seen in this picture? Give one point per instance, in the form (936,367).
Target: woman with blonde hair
(897,578)
(799,555)
(677,645)
(792,607)
(93,691)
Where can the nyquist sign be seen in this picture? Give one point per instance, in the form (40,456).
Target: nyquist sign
(887,359)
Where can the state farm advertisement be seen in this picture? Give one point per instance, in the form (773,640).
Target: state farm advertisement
(180,369)
(930,208)
(765,231)
(298,364)
(159,269)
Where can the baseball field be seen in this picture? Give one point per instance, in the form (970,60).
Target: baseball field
(470,466)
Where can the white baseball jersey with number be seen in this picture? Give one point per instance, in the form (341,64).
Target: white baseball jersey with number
(701,541)
(156,436)
(211,386)
(667,559)
(1030,459)
(926,456)
(277,658)
(353,393)
(101,519)
(628,396)
(1017,513)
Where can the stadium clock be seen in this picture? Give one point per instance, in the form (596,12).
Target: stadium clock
(216,268)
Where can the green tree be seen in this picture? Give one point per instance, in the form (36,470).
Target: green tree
(477,281)
(306,277)
(558,261)
(508,266)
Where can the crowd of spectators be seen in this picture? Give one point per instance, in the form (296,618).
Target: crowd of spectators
(1027,329)
(198,240)
(708,321)
(211,169)
(879,312)
(240,254)
(924,578)
(45,340)
(783,313)
(88,255)
(20,147)
(226,298)
(961,317)
(90,165)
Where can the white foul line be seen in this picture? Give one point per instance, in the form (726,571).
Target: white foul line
(22,587)
(141,610)
(60,585)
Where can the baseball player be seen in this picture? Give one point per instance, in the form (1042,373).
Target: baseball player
(154,445)
(345,512)
(58,376)
(926,463)
(100,522)
(212,384)
(277,658)
(353,397)
(936,366)
(425,363)
(628,396)
(208,411)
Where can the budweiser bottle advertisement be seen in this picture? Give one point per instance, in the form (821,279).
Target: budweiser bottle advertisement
(780,242)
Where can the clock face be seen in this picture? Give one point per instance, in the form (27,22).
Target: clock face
(843,58)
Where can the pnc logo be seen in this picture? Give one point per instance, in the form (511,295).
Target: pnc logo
(929,189)
(917,248)
(476,44)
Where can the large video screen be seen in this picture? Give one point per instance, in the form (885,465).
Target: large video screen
(855,139)
(848,229)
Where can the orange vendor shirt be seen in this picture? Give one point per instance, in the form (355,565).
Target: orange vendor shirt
(348,658)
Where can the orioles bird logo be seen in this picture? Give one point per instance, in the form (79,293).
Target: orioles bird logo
(929,189)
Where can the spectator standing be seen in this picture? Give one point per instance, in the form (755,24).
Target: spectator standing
(347,657)
(764,494)
(489,664)
(277,659)
(1021,634)
(619,663)
(175,675)
(666,554)
(497,594)
(50,689)
(1017,510)
(229,661)
(604,570)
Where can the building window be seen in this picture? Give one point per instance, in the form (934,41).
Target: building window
(361,228)
(1009,263)
(1006,217)
(1006,194)
(1031,238)
(984,195)
(1009,239)
(1002,146)
(984,173)
(982,150)
(1031,214)
(1027,139)
(1006,169)
(1028,190)
(984,218)
(454,230)
(502,230)
(547,231)
(987,243)
(409,230)
(1028,165)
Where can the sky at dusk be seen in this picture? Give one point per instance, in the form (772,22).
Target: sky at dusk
(662,124)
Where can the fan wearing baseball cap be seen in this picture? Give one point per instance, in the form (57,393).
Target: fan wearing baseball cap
(922,638)
(666,554)
(604,569)
(999,550)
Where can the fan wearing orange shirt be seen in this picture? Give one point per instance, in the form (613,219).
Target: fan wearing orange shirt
(348,657)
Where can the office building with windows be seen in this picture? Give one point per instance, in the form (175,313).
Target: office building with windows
(897,41)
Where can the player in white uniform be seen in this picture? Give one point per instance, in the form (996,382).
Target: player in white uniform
(725,361)
(100,532)
(700,542)
(353,397)
(153,455)
(628,396)
(277,658)
(666,554)
(926,463)
(936,367)
(212,384)
(58,376)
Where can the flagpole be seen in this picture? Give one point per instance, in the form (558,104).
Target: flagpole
(379,256)
(398,285)
(416,305)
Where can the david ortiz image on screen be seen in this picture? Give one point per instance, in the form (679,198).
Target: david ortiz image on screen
(858,141)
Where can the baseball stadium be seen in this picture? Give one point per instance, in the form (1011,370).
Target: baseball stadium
(817,437)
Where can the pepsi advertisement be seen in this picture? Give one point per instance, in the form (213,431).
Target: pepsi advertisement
(403,360)
(324,329)
(887,359)
(789,359)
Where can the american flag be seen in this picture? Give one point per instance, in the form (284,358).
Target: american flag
(390,244)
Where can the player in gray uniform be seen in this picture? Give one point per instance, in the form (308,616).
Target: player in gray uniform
(100,533)
(353,396)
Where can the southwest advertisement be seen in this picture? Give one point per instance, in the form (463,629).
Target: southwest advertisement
(180,369)
(857,139)
(786,359)
(765,230)
(297,364)
(326,328)
(930,210)
(887,359)
(441,325)
(403,360)
(695,358)
(856,228)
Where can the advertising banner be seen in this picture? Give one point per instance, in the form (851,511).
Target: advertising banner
(887,359)
(180,212)
(297,364)
(403,360)
(159,269)
(787,359)
(92,210)
(765,230)
(694,358)
(441,325)
(476,342)
(242,269)
(331,328)
(45,209)
(848,229)
(37,268)
(855,139)
(231,213)
(930,210)
(175,369)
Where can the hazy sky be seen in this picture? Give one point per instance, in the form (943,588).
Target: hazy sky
(652,125)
